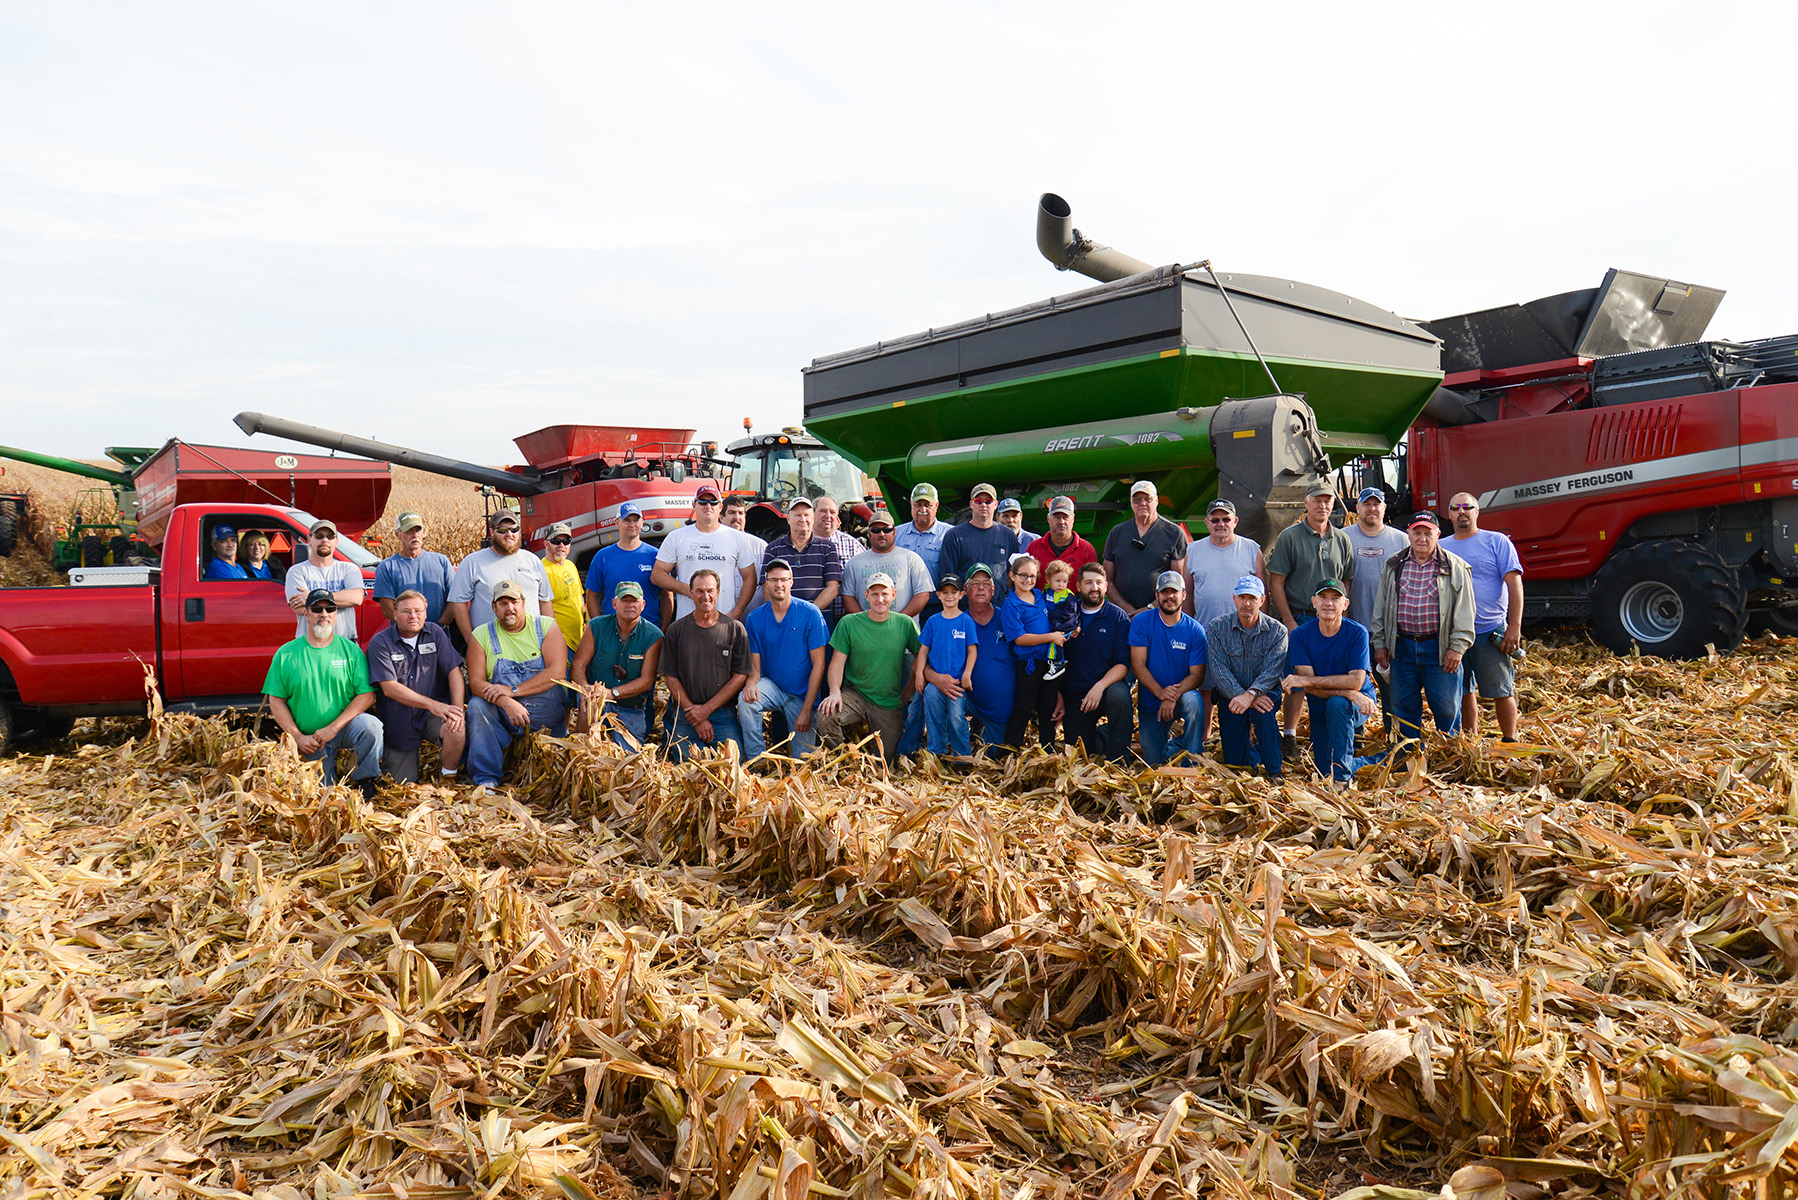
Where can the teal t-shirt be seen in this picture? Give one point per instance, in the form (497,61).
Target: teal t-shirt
(876,650)
(318,682)
(617,661)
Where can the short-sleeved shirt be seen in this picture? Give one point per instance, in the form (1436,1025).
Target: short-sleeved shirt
(964,545)
(724,550)
(995,676)
(705,659)
(1489,556)
(1371,553)
(614,565)
(429,575)
(1023,619)
(876,651)
(335,576)
(927,544)
(1026,539)
(786,645)
(1136,567)
(1075,554)
(1306,559)
(1104,643)
(947,640)
(910,573)
(424,666)
(618,660)
(524,645)
(570,605)
(814,568)
(318,682)
(218,568)
(1346,651)
(1214,570)
(476,575)
(1173,650)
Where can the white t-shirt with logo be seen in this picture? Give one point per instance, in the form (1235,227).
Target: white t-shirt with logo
(724,550)
(335,576)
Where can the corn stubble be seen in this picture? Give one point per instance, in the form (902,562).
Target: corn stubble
(1561,969)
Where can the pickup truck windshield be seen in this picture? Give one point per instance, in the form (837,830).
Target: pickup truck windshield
(346,546)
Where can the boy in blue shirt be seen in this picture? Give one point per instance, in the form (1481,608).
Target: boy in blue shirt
(944,675)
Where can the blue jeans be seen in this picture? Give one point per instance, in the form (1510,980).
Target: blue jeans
(686,739)
(948,722)
(364,735)
(911,738)
(1417,668)
(1152,730)
(1250,739)
(490,731)
(771,698)
(635,722)
(1334,723)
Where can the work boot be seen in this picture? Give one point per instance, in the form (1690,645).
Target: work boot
(368,787)
(1289,746)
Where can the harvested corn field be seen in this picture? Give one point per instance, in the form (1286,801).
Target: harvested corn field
(1561,969)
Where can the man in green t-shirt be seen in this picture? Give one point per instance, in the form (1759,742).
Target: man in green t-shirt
(869,684)
(319,693)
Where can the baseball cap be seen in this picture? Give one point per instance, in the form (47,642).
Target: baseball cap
(949,580)
(1249,585)
(221,532)
(1170,579)
(630,508)
(1061,504)
(708,489)
(798,501)
(880,516)
(1144,487)
(559,529)
(500,517)
(1371,493)
(924,491)
(1424,518)
(505,588)
(320,596)
(1321,488)
(1330,585)
(980,569)
(628,588)
(318,525)
(1010,504)
(880,579)
(986,489)
(409,520)
(776,562)
(1221,505)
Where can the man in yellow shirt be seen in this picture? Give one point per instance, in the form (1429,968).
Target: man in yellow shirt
(565,583)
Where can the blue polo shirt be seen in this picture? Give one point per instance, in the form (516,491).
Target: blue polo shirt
(218,568)
(786,646)
(995,677)
(926,544)
(1022,619)
(1347,651)
(1174,650)
(613,566)
(424,667)
(429,575)
(1104,642)
(947,639)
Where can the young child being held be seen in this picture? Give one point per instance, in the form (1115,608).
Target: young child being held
(1064,612)
(945,671)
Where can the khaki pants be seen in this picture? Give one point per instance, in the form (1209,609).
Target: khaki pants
(885,723)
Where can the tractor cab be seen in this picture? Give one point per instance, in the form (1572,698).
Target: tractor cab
(772,468)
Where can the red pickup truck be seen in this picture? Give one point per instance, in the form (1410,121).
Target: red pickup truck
(82,651)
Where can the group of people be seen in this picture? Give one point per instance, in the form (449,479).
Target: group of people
(930,635)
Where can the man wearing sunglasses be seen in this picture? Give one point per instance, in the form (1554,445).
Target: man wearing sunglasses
(471,591)
(564,583)
(322,569)
(978,539)
(320,695)
(706,545)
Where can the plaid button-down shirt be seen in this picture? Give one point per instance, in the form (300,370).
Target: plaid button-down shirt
(1245,658)
(1419,614)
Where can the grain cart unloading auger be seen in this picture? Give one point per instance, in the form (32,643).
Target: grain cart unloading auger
(1163,373)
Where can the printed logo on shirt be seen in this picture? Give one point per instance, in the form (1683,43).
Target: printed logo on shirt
(958,633)
(430,649)
(1177,645)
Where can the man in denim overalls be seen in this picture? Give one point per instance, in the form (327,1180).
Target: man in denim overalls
(516,665)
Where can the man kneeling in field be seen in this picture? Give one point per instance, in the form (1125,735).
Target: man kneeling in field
(418,672)
(516,664)
(319,693)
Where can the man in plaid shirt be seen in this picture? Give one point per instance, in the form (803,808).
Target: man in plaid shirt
(1422,626)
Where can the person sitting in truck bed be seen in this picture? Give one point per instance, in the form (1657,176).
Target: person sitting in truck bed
(319,694)
(224,564)
(516,665)
(323,569)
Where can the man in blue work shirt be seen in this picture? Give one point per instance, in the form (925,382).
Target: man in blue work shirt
(1096,686)
(1167,655)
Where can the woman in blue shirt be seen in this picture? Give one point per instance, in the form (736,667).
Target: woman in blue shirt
(1026,617)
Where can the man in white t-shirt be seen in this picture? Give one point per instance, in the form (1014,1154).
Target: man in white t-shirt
(471,590)
(321,568)
(711,545)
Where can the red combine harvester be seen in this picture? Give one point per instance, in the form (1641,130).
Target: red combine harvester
(580,474)
(1649,479)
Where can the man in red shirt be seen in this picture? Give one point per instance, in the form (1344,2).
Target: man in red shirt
(1061,542)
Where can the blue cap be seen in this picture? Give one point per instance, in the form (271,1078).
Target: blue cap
(1010,504)
(629,509)
(1249,585)
(1371,493)
(221,532)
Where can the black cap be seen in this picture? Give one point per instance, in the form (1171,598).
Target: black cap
(948,579)
(320,596)
(1424,518)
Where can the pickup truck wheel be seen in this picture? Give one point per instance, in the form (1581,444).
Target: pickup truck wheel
(1670,599)
(43,729)
(10,520)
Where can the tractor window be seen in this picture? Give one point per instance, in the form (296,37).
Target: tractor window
(827,473)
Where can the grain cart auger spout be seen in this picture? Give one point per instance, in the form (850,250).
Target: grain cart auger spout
(521,482)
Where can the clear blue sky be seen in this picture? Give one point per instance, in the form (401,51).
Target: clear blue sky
(446,224)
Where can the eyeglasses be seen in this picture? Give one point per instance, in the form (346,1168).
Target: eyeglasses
(322,608)
(1220,520)
(1462,507)
(322,536)
(561,541)
(984,500)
